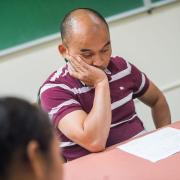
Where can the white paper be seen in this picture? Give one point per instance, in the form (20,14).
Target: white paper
(155,146)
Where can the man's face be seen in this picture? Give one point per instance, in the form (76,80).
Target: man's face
(93,46)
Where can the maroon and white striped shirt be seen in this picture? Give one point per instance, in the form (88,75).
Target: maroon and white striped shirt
(62,94)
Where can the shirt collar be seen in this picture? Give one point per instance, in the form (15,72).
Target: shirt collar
(107,71)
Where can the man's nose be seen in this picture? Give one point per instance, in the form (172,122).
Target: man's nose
(97,61)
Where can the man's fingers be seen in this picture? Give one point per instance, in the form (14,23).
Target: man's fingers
(70,67)
(76,62)
(81,61)
(74,74)
(71,64)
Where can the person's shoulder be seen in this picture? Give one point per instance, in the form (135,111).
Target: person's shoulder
(61,75)
(59,80)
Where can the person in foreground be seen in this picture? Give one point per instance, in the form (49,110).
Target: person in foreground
(28,147)
(90,99)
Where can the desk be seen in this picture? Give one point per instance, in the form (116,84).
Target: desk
(115,164)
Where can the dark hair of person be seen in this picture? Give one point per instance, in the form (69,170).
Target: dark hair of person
(65,24)
(20,123)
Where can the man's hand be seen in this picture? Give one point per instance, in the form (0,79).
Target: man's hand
(88,74)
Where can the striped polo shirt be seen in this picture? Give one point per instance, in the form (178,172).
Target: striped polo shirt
(62,94)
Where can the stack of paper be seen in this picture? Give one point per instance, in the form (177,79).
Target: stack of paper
(155,146)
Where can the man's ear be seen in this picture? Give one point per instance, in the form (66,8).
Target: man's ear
(36,160)
(62,50)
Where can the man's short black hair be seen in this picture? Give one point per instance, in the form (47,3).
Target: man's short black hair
(65,22)
(20,123)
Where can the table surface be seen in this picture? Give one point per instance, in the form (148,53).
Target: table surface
(115,164)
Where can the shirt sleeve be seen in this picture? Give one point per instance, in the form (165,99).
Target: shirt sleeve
(140,82)
(58,102)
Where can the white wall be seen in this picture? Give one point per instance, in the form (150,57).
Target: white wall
(150,41)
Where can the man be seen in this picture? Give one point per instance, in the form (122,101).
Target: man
(90,100)
(28,146)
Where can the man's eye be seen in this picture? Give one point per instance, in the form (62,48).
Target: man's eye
(87,55)
(105,50)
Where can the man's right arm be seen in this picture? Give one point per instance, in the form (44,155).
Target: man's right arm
(90,130)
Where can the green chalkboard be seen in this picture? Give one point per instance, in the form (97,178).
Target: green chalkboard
(22,21)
